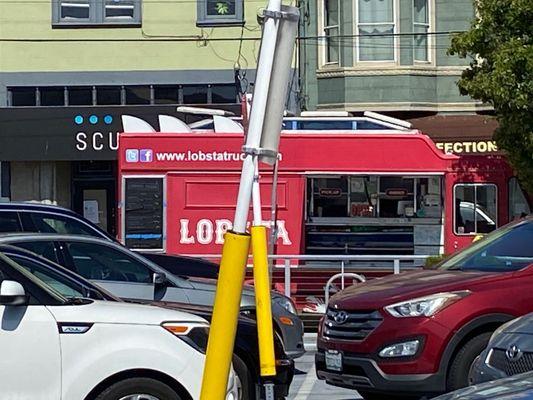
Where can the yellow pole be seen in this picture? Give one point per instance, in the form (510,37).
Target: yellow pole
(225,315)
(267,358)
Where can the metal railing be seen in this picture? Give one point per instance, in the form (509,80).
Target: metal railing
(335,262)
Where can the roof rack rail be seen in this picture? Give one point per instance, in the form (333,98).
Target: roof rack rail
(390,120)
(204,111)
(325,114)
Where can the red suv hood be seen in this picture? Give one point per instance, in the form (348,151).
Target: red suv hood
(380,292)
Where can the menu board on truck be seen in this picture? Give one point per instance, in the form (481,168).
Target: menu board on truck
(143,212)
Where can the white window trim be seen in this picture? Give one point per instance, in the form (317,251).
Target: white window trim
(322,27)
(396,40)
(431,38)
(475,185)
(96,16)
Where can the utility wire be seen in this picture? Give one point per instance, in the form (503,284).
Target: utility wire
(225,39)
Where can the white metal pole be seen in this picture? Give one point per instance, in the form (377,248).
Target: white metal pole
(255,127)
(256,195)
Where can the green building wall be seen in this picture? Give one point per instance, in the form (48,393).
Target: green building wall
(173,23)
(406,86)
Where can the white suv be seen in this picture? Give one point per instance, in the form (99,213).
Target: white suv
(53,348)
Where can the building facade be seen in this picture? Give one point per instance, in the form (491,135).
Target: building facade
(390,56)
(69,69)
(385,55)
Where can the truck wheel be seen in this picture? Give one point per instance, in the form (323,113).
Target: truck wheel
(463,360)
(245,382)
(139,389)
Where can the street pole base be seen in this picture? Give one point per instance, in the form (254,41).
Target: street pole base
(269,390)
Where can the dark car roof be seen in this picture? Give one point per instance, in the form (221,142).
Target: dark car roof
(6,237)
(49,208)
(29,206)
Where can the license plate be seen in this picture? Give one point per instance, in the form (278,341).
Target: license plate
(333,360)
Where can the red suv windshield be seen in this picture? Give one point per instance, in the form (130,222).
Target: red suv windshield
(507,249)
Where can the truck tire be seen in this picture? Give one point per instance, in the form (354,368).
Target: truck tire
(135,388)
(460,366)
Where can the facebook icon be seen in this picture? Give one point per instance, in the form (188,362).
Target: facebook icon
(146,155)
(132,155)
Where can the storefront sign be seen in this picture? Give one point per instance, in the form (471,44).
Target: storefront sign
(206,231)
(71,133)
(486,146)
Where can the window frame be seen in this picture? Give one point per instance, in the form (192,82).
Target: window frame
(475,185)
(323,28)
(17,215)
(514,178)
(96,16)
(430,38)
(206,21)
(396,40)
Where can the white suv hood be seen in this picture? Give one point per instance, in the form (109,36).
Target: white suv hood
(109,312)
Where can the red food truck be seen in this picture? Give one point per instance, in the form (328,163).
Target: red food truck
(346,185)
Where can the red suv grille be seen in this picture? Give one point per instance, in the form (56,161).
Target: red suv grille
(350,325)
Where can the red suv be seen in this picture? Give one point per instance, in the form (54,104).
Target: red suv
(418,333)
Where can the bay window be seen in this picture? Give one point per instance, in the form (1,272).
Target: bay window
(376,25)
(421,29)
(330,23)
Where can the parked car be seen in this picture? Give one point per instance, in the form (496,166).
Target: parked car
(514,387)
(54,347)
(129,275)
(246,351)
(418,333)
(509,352)
(46,218)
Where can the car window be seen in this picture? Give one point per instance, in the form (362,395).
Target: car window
(9,222)
(184,266)
(42,248)
(507,249)
(96,261)
(38,291)
(65,286)
(49,223)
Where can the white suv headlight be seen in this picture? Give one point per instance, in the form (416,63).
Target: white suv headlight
(425,306)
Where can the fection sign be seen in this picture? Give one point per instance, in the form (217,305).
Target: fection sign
(71,133)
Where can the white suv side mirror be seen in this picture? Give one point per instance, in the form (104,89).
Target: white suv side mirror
(12,294)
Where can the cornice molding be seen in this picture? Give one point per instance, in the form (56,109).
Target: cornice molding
(408,106)
(390,71)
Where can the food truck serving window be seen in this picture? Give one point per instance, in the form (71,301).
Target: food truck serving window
(374,196)
(143,213)
(373,214)
(475,208)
